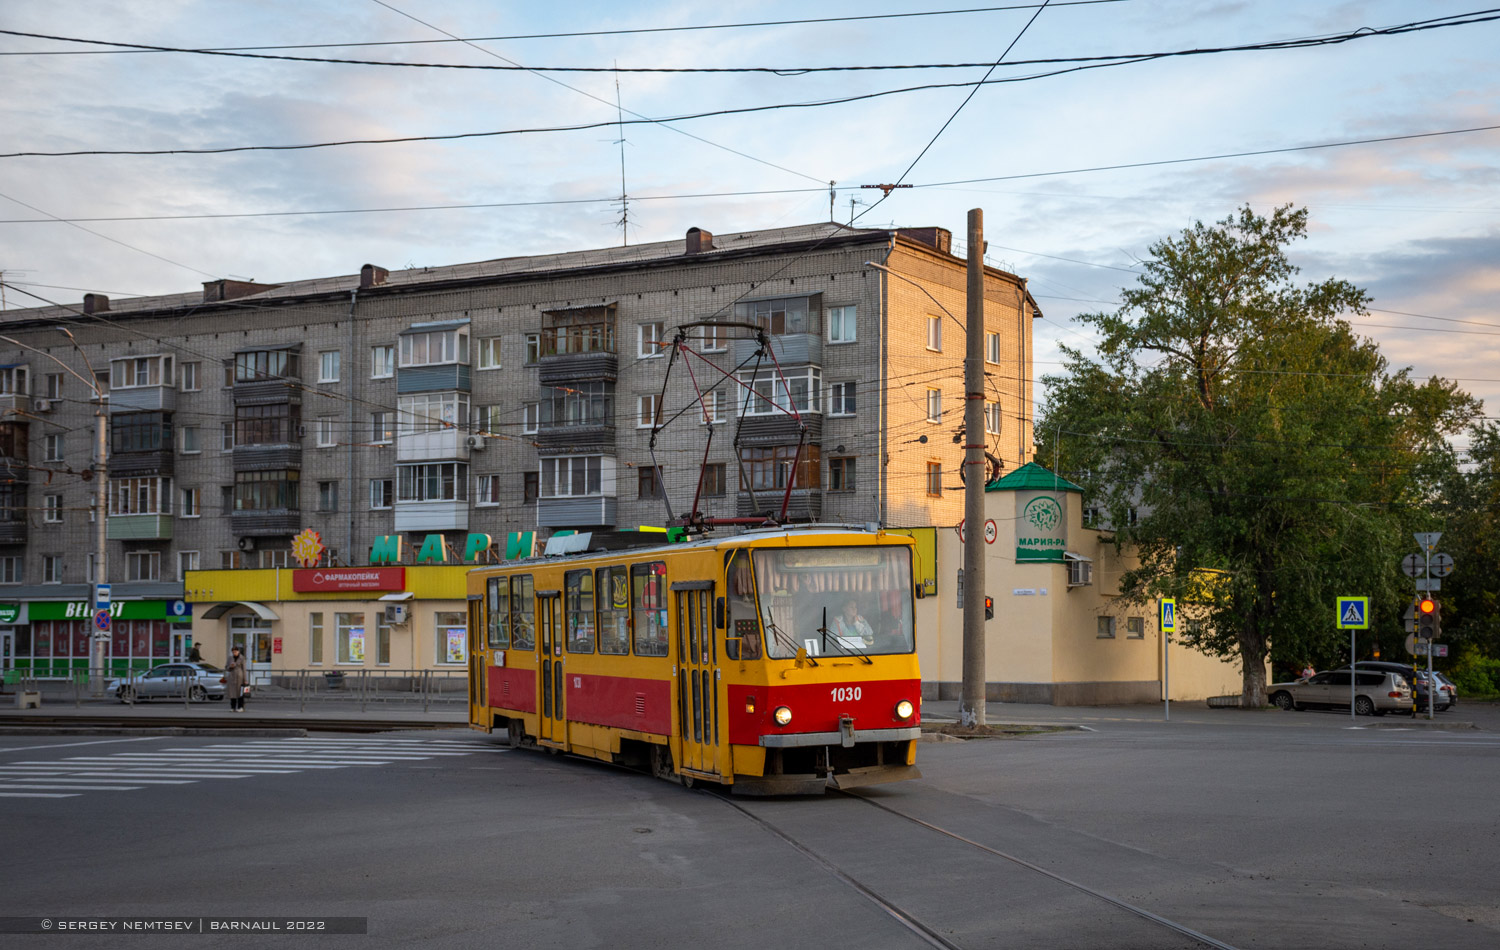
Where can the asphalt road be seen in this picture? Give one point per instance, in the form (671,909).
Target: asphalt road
(1263,829)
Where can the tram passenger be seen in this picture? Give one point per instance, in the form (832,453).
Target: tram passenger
(852,625)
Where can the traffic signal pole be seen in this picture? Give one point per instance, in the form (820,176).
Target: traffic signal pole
(971,709)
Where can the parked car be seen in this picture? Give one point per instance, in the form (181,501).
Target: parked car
(201,681)
(1375,692)
(1416,676)
(1446,686)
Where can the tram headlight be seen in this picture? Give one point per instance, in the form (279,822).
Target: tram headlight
(904,709)
(783,715)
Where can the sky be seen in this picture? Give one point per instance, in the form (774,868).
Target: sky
(1416,222)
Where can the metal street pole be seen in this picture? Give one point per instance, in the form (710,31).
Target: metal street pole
(971,709)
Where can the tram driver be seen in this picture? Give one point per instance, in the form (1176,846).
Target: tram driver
(852,626)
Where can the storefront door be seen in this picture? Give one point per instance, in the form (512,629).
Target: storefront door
(182,645)
(7,650)
(253,636)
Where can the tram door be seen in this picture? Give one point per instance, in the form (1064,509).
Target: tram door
(549,644)
(698,682)
(478,640)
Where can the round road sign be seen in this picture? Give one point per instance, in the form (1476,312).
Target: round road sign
(1412,565)
(1442,565)
(101,620)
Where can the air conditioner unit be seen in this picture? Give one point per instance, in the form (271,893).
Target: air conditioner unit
(41,405)
(476,442)
(247,544)
(395,613)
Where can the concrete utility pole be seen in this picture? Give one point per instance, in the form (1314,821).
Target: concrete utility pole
(971,705)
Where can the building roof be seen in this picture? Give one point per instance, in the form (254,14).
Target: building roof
(1032,477)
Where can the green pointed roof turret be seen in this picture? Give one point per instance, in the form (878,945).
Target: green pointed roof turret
(1032,477)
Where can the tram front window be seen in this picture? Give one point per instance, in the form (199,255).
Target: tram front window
(835,601)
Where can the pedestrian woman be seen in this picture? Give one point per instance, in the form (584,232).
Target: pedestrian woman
(236,680)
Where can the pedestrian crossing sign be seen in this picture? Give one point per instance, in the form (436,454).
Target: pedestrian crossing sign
(1169,615)
(1353,613)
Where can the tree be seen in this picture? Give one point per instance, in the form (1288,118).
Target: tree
(1272,459)
(1471,533)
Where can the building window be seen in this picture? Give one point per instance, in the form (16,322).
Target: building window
(572,476)
(438,481)
(533,348)
(935,479)
(432,412)
(992,418)
(382,640)
(231,560)
(714,483)
(782,316)
(382,361)
(190,503)
(276,490)
(992,347)
(530,487)
(648,340)
(186,561)
(582,404)
(328,496)
(350,631)
(315,639)
(645,411)
(935,333)
(934,405)
(52,448)
(841,399)
(52,569)
(489,353)
(772,467)
(578,330)
(712,338)
(150,495)
(326,436)
(12,570)
(488,420)
(648,482)
(226,437)
(52,510)
(841,474)
(714,406)
(187,440)
(486,490)
(434,347)
(452,636)
(767,393)
(841,325)
(275,424)
(140,432)
(52,386)
(1091,518)
(192,376)
(1132,516)
(257,365)
(531,414)
(382,426)
(1135,628)
(142,566)
(1106,628)
(275,557)
(138,371)
(226,499)
(382,492)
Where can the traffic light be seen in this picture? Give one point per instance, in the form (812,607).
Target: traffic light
(989,608)
(1429,618)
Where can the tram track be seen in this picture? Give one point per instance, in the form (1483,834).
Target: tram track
(926,931)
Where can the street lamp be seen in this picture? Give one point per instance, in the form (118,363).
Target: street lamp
(101,495)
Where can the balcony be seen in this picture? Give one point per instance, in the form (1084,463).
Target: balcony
(128,464)
(430,516)
(269,523)
(268,457)
(581,439)
(584,511)
(447,377)
(591,366)
(780,429)
(267,392)
(806,504)
(791,349)
(434,445)
(138,528)
(13,531)
(142,399)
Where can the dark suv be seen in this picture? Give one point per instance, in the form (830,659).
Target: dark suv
(1420,684)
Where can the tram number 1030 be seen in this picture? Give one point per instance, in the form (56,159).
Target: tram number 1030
(844,694)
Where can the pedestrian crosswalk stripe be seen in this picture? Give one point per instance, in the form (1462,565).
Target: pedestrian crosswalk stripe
(38,795)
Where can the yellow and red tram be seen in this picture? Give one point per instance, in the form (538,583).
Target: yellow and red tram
(779,661)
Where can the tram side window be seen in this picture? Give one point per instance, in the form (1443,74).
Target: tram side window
(498,605)
(648,590)
(523,613)
(578,603)
(741,621)
(613,586)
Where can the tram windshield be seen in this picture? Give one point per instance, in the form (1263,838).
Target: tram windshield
(837,601)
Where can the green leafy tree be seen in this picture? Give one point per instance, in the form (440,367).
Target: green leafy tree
(1471,533)
(1272,458)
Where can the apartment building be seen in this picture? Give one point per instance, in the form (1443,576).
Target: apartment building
(507,396)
